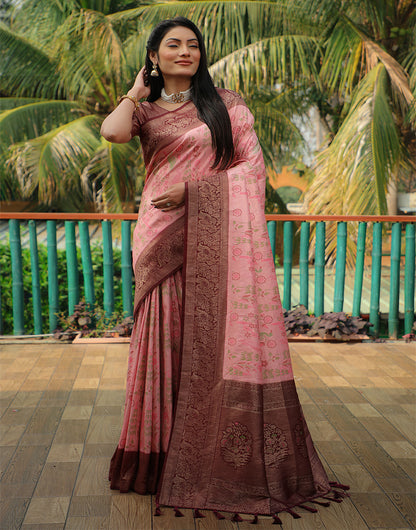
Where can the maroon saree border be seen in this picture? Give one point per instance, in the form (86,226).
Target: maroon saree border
(205,303)
(235,446)
(162,258)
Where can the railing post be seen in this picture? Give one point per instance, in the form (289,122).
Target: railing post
(340,266)
(108,269)
(126,268)
(86,259)
(375,279)
(17,277)
(319,268)
(1,315)
(53,289)
(287,264)
(34,263)
(409,279)
(304,264)
(71,266)
(271,229)
(359,270)
(394,280)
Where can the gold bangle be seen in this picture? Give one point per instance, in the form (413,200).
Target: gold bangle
(131,98)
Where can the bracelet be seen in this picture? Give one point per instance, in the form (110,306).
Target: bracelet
(131,98)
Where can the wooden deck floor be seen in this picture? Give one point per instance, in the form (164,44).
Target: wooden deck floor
(61,416)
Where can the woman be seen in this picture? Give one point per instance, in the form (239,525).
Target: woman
(212,418)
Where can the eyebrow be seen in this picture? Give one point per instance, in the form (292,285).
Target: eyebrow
(179,40)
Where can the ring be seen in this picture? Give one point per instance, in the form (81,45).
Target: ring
(168,204)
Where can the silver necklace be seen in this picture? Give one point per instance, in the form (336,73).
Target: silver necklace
(176,97)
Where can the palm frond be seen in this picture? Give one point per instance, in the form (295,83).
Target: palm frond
(52,163)
(48,14)
(28,118)
(353,172)
(278,114)
(280,59)
(226,25)
(341,62)
(26,70)
(398,77)
(111,176)
(94,60)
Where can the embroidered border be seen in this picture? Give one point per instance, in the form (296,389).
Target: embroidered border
(159,260)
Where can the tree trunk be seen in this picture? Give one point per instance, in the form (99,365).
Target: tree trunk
(391,196)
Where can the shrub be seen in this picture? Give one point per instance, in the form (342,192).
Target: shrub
(6,284)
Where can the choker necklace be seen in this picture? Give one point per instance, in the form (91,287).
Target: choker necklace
(177,97)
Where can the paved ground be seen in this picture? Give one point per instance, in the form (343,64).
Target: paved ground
(61,415)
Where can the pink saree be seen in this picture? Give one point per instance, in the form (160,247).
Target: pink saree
(212,417)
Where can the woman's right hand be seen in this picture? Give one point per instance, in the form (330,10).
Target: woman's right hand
(139,90)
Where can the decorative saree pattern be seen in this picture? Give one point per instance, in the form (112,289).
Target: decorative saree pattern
(210,389)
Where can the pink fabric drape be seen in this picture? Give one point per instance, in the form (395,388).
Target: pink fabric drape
(238,438)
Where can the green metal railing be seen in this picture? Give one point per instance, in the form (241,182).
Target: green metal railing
(290,229)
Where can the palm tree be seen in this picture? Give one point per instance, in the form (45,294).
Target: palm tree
(58,77)
(63,73)
(354,61)
(369,73)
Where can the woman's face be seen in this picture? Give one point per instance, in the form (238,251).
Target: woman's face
(178,54)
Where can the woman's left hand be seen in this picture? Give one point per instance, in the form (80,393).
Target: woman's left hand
(171,199)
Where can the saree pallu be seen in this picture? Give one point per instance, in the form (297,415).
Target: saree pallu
(221,408)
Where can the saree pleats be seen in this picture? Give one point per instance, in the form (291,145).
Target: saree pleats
(152,385)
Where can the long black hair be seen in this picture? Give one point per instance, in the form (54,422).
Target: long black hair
(210,107)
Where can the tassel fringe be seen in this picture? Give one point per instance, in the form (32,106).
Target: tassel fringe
(308,508)
(292,513)
(178,513)
(338,497)
(340,486)
(276,519)
(333,499)
(325,504)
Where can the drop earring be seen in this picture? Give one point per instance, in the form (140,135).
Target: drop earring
(154,72)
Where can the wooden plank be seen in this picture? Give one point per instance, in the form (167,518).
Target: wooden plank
(376,460)
(104,429)
(12,512)
(93,477)
(378,511)
(336,452)
(65,453)
(406,504)
(82,397)
(381,429)
(90,505)
(26,465)
(46,511)
(88,523)
(106,450)
(130,511)
(57,479)
(71,431)
(357,477)
(344,515)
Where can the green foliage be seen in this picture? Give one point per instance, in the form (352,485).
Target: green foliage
(6,284)
(352,62)
(92,322)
